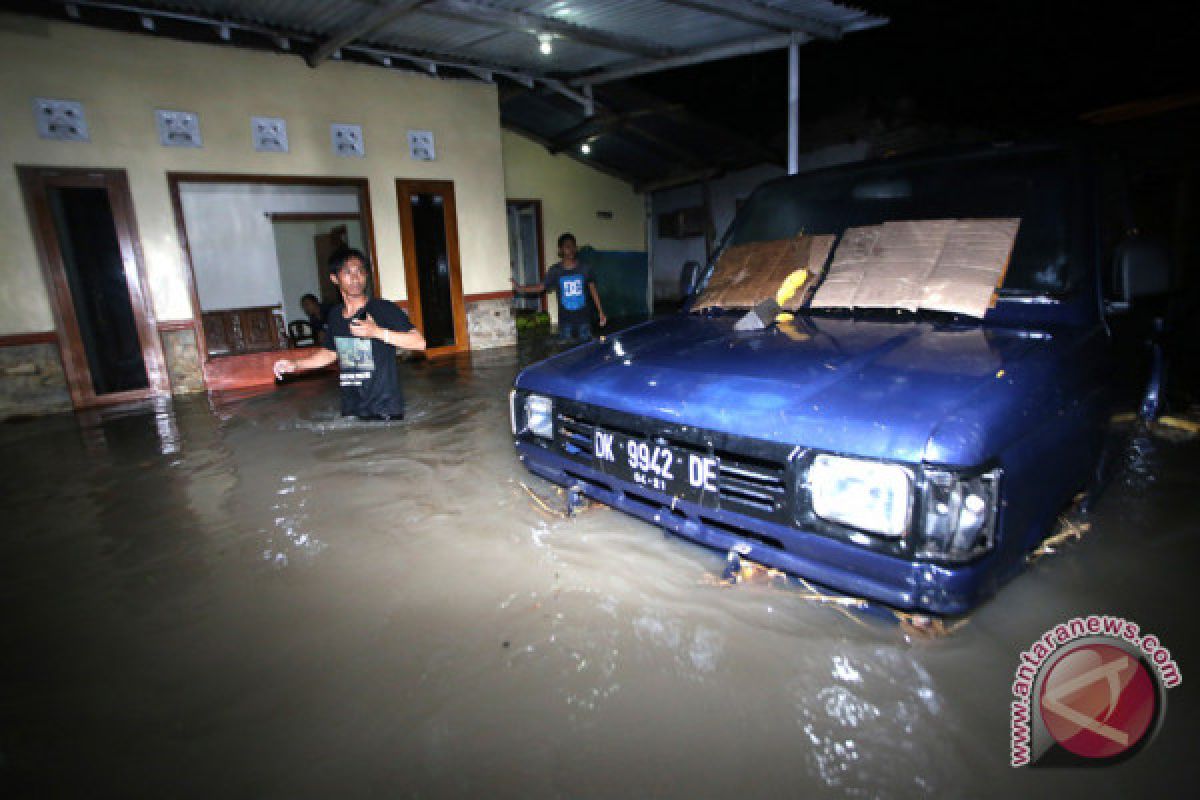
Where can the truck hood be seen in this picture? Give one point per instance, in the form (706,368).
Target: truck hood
(898,390)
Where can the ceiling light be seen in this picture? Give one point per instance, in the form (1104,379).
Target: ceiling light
(585,148)
(545,43)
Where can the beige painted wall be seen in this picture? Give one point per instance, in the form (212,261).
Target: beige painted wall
(571,194)
(123,78)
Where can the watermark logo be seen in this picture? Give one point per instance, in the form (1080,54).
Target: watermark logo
(1089,692)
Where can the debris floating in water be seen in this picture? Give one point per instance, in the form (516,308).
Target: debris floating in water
(541,504)
(921,626)
(1068,530)
(575,502)
(739,569)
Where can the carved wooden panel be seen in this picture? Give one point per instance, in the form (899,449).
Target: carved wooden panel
(243,330)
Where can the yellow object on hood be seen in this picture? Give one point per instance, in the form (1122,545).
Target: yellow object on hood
(791,284)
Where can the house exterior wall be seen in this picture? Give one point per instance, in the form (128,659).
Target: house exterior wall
(571,194)
(123,78)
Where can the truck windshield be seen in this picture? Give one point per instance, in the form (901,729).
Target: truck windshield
(1034,186)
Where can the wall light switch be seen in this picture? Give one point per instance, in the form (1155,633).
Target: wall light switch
(60,119)
(178,128)
(347,140)
(270,134)
(421,146)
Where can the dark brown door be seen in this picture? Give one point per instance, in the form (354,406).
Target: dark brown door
(429,227)
(325,244)
(87,243)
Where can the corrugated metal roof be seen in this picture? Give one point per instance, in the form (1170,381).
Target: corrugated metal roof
(469,28)
(593,44)
(304,16)
(681,28)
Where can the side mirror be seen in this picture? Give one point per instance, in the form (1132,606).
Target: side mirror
(1141,268)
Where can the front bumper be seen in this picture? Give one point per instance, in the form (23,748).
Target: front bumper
(838,565)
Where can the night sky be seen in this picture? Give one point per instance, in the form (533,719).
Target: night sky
(1013,67)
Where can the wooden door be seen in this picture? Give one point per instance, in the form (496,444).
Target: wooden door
(325,244)
(429,229)
(87,245)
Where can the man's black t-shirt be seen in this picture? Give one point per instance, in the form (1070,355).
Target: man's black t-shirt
(370,381)
(570,289)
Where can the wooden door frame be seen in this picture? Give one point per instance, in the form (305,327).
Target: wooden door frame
(174,179)
(34,181)
(458,305)
(541,239)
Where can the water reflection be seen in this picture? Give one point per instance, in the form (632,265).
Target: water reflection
(290,538)
(326,608)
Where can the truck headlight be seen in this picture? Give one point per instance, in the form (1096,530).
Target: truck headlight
(539,416)
(868,495)
(960,515)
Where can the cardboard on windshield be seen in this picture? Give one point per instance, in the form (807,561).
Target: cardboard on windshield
(819,248)
(850,262)
(940,265)
(970,267)
(747,274)
(901,261)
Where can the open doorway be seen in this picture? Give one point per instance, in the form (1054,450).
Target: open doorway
(303,245)
(429,229)
(87,244)
(525,257)
(255,246)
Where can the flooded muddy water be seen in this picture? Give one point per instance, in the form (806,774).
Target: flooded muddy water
(249,597)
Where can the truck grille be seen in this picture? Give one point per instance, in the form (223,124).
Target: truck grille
(756,486)
(750,484)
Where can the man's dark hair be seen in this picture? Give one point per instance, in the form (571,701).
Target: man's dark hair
(310,296)
(565,237)
(340,256)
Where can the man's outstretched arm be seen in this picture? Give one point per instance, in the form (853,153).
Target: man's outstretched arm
(321,358)
(528,288)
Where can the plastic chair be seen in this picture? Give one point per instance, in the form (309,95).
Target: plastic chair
(301,334)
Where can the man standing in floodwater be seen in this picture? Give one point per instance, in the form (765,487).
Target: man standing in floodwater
(572,282)
(362,335)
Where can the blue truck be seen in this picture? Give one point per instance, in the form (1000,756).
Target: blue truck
(911,458)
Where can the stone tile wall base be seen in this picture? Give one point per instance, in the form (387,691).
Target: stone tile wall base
(183,361)
(32,380)
(490,324)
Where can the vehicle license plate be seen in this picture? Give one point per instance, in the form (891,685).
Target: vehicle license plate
(655,465)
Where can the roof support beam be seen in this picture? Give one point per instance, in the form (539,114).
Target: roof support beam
(604,123)
(679,154)
(765,16)
(526,22)
(743,47)
(582,98)
(754,150)
(430,63)
(371,22)
(596,165)
(679,179)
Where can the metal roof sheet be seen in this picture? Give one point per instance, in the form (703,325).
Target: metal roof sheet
(506,30)
(594,44)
